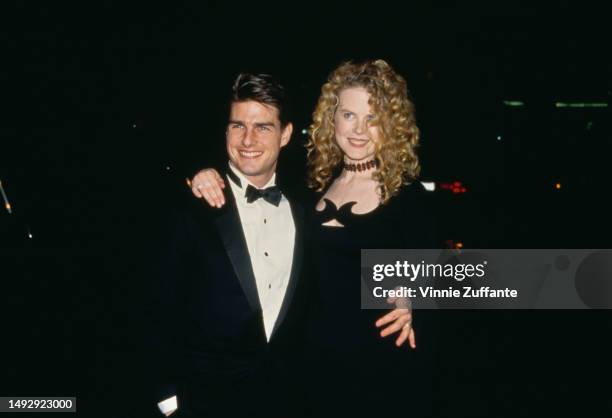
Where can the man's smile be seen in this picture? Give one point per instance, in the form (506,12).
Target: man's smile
(250,154)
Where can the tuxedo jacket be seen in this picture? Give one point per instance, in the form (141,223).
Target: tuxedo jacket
(209,340)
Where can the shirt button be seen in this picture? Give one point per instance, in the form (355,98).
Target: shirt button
(266,253)
(269,286)
(265,221)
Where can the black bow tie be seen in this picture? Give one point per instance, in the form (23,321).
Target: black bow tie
(271,195)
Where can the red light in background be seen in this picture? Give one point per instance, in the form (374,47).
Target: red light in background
(456,187)
(454,245)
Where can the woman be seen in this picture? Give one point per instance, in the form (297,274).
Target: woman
(362,164)
(362,160)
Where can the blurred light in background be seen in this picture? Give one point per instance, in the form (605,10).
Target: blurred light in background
(574,104)
(7,204)
(513,103)
(430,186)
(456,187)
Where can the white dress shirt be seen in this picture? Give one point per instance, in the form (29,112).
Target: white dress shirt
(270,236)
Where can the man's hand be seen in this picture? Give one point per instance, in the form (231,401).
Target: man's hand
(208,185)
(400,319)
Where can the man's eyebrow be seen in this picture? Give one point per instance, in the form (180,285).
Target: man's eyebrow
(263,124)
(259,124)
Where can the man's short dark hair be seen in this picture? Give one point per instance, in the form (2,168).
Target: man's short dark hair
(262,88)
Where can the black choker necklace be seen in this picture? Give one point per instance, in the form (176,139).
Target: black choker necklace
(361,166)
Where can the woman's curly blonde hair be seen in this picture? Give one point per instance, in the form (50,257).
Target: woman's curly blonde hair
(398,163)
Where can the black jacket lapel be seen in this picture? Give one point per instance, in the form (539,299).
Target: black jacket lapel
(232,235)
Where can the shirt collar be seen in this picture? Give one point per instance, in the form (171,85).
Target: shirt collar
(243,181)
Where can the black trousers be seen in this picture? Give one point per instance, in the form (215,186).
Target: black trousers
(264,395)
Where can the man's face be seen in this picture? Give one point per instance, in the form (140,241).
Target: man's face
(254,138)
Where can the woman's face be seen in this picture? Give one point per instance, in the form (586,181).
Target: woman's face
(354,135)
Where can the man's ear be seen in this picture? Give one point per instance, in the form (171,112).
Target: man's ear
(286,134)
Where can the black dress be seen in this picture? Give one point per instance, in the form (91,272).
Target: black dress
(350,368)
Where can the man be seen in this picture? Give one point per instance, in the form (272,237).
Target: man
(233,286)
(229,278)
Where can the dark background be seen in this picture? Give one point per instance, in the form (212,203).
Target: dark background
(110,105)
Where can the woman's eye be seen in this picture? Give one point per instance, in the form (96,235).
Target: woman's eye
(348,115)
(371,117)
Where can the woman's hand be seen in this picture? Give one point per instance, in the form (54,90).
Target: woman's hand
(208,185)
(401,320)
